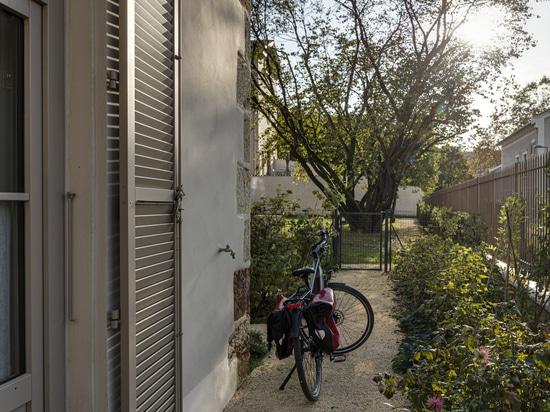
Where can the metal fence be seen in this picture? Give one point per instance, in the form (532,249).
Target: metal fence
(360,240)
(526,180)
(368,240)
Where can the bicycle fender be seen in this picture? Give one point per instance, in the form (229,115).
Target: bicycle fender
(295,316)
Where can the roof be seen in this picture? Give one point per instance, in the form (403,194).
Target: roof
(518,134)
(523,130)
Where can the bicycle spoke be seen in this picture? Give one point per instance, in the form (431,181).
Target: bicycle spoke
(354,318)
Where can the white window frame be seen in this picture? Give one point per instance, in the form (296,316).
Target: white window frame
(18,392)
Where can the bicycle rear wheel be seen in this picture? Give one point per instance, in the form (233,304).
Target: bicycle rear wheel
(309,361)
(353,315)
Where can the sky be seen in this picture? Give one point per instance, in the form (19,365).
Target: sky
(535,62)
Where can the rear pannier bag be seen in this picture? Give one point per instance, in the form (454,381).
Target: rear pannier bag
(325,333)
(278,329)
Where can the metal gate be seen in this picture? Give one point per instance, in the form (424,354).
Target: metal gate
(363,240)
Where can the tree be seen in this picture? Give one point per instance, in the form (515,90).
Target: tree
(442,167)
(453,167)
(355,89)
(516,108)
(484,157)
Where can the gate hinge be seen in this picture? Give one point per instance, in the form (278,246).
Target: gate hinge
(178,196)
(112,80)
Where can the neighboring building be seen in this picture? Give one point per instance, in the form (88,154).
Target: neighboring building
(530,140)
(124,179)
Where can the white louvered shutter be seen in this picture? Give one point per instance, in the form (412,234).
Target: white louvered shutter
(148,145)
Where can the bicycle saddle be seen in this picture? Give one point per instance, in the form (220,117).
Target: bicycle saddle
(303,272)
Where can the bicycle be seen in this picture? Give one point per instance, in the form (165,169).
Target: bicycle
(350,311)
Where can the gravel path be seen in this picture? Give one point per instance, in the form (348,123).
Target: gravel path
(347,386)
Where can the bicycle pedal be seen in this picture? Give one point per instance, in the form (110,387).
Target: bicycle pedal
(337,358)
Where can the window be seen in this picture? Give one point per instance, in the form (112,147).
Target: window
(12,198)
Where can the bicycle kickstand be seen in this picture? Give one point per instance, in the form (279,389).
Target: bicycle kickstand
(282,387)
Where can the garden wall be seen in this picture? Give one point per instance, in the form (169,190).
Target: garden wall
(302,191)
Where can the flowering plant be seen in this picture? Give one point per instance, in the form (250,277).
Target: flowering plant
(465,349)
(435,404)
(482,356)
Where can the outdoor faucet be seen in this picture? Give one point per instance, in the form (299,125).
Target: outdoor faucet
(228,250)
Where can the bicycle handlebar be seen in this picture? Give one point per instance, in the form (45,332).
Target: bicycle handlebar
(316,248)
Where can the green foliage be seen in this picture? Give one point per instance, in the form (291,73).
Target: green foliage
(438,168)
(258,349)
(280,237)
(463,347)
(511,217)
(355,90)
(485,155)
(462,227)
(433,276)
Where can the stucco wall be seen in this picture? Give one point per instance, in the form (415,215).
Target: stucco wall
(215,211)
(522,147)
(302,191)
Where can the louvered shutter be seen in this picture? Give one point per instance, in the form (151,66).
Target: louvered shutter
(113,199)
(148,186)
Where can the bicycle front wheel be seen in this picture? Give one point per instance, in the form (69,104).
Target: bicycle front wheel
(353,316)
(309,361)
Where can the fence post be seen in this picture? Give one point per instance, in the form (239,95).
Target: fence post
(337,240)
(387,258)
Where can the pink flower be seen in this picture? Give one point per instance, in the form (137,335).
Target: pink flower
(482,356)
(434,403)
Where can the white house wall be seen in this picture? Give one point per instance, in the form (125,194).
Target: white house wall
(520,145)
(213,35)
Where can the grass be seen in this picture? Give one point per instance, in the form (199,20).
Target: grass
(360,247)
(363,248)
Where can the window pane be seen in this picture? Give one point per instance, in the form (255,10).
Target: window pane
(11,290)
(12,343)
(11,103)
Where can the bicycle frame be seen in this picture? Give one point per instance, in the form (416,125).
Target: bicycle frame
(316,265)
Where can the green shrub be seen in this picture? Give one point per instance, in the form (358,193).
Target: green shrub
(462,348)
(468,229)
(498,364)
(258,349)
(434,276)
(281,236)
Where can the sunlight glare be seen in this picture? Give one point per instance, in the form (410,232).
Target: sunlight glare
(483,28)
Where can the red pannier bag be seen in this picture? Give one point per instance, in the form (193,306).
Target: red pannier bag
(326,334)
